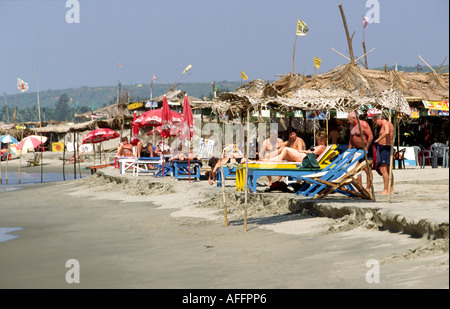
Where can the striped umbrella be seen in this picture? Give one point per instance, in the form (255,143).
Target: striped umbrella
(8,139)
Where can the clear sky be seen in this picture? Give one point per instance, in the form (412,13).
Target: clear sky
(219,38)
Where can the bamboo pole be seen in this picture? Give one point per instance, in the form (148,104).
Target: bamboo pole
(293,55)
(246,168)
(349,39)
(341,54)
(6,173)
(39,107)
(41,164)
(79,161)
(6,103)
(20,159)
(391,159)
(225,210)
(64,159)
(74,157)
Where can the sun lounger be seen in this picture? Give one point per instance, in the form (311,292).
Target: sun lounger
(289,169)
(94,168)
(347,184)
(36,160)
(185,169)
(342,165)
(145,165)
(123,163)
(227,172)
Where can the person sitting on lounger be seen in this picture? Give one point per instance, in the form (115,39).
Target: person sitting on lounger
(163,148)
(269,149)
(294,155)
(126,149)
(147,151)
(232,156)
(72,158)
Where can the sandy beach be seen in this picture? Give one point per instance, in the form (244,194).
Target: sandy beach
(145,233)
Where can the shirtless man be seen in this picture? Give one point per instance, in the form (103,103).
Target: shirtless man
(294,142)
(355,142)
(270,147)
(269,150)
(384,144)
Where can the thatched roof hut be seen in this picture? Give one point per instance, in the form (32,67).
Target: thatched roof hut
(346,87)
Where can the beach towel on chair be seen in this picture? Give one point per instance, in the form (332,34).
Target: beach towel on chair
(310,161)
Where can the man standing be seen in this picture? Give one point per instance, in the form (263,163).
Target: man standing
(355,142)
(384,144)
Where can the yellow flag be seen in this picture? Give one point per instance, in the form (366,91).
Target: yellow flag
(302,28)
(317,62)
(187,69)
(243,76)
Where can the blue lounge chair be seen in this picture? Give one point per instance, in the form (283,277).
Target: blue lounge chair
(342,165)
(227,172)
(347,184)
(181,169)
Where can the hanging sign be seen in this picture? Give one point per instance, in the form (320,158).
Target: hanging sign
(135,105)
(436,105)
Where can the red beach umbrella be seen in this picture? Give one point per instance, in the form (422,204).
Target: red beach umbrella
(188,118)
(154,118)
(30,142)
(188,131)
(166,122)
(175,130)
(135,132)
(100,135)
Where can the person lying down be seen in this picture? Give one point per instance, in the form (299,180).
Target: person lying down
(294,155)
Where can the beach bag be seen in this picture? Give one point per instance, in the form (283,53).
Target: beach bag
(310,161)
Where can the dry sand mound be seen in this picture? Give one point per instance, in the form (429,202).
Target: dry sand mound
(128,186)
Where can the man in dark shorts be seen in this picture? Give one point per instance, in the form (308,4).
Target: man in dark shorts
(355,142)
(384,144)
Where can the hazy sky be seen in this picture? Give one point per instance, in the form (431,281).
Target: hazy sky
(219,38)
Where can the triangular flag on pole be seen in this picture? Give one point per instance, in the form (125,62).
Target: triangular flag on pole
(317,62)
(243,76)
(302,28)
(21,85)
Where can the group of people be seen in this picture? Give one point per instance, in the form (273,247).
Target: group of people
(125,149)
(382,145)
(274,149)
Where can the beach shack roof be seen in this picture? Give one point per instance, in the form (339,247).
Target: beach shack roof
(344,88)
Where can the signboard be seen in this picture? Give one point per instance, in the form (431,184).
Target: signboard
(57,147)
(436,105)
(135,105)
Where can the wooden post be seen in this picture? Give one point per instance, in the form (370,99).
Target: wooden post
(225,211)
(391,159)
(64,159)
(246,168)
(293,55)
(349,39)
(39,107)
(74,157)
(365,54)
(6,103)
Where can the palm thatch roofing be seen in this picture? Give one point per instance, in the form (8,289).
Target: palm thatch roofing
(344,88)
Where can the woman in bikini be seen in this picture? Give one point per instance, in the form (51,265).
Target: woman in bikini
(126,149)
